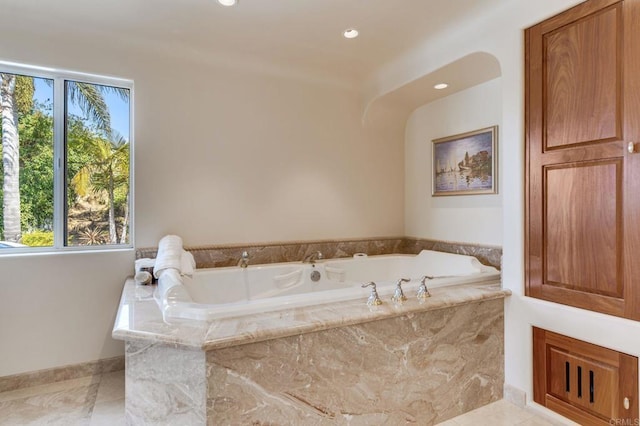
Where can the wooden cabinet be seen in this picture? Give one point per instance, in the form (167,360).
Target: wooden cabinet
(582,181)
(589,384)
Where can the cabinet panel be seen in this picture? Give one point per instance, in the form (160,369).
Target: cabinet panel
(584,382)
(582,62)
(582,190)
(582,234)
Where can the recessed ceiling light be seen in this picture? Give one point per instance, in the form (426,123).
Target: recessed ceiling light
(350,33)
(228,2)
(441,86)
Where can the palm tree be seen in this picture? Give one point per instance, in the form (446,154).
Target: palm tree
(107,173)
(89,97)
(10,159)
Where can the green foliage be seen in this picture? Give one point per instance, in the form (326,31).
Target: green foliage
(25,89)
(38,239)
(36,170)
(94,149)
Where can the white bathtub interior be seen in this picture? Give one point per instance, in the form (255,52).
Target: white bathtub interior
(231,291)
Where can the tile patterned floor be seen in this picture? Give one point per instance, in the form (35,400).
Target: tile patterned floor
(504,413)
(99,401)
(89,401)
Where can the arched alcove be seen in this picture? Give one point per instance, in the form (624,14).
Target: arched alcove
(466,72)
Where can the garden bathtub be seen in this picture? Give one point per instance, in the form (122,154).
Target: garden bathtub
(233,291)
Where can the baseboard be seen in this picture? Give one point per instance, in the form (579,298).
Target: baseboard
(515,396)
(58,374)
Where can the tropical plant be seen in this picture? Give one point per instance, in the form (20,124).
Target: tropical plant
(92,236)
(16,99)
(36,169)
(38,239)
(106,174)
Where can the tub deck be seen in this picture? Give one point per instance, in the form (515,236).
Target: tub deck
(139,317)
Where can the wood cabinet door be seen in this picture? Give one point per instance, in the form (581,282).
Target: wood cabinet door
(589,384)
(582,183)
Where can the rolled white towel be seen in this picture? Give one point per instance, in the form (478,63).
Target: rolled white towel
(144,264)
(187,263)
(169,255)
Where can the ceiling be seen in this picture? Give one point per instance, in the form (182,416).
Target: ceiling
(296,34)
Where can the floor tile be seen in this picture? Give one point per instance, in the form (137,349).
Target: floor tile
(535,421)
(496,414)
(111,387)
(99,401)
(46,389)
(108,413)
(61,407)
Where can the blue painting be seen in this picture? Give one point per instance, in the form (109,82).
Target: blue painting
(465,164)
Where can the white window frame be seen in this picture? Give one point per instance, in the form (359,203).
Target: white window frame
(59,168)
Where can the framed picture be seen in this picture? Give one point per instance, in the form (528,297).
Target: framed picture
(466,164)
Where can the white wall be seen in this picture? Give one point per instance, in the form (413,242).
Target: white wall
(500,33)
(59,309)
(470,218)
(222,155)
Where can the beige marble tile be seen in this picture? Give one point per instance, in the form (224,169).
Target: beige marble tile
(552,418)
(412,369)
(108,413)
(292,251)
(23,393)
(500,413)
(451,422)
(535,421)
(139,317)
(59,374)
(69,405)
(164,385)
(92,400)
(111,387)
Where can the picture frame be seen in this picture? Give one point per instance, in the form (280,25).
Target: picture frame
(466,164)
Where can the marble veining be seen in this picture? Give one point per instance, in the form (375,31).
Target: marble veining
(32,406)
(178,392)
(338,363)
(228,255)
(422,368)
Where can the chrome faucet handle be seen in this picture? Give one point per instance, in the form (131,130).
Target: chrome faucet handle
(423,291)
(374,299)
(398,295)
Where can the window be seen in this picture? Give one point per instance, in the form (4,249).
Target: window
(66,160)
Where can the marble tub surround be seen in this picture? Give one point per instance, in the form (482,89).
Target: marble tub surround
(422,368)
(487,255)
(277,252)
(341,363)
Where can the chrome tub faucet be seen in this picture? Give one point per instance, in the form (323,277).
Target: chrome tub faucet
(244,260)
(398,296)
(313,257)
(423,291)
(374,299)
